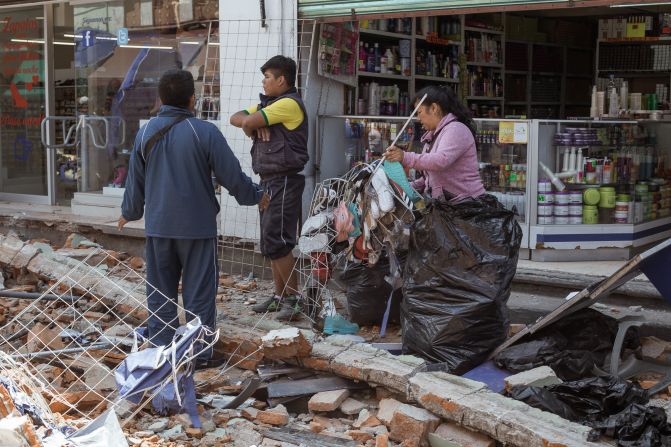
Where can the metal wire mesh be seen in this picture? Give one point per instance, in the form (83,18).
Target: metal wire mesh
(245,45)
(71,338)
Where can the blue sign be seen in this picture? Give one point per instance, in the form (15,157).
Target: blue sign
(122,36)
(88,38)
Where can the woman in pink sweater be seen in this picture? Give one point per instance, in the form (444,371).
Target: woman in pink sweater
(449,161)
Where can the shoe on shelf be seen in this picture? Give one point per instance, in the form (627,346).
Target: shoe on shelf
(291,309)
(272,304)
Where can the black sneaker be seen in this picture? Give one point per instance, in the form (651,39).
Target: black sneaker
(272,304)
(291,309)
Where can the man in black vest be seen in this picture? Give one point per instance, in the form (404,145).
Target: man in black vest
(279,127)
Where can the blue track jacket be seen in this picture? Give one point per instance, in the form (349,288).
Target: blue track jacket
(175,183)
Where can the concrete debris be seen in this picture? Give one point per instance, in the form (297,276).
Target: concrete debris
(654,348)
(18,431)
(351,406)
(327,400)
(458,437)
(412,424)
(366,419)
(285,344)
(540,377)
(274,416)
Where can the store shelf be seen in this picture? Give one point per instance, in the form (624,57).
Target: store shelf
(483,98)
(577,75)
(436,79)
(516,103)
(383,76)
(372,32)
(635,73)
(443,42)
(636,40)
(545,103)
(484,64)
(517,72)
(578,104)
(482,30)
(546,73)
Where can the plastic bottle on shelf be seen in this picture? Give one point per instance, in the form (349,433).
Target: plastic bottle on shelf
(362,56)
(378,57)
(370,59)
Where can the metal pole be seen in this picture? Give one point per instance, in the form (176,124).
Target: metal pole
(61,351)
(36,296)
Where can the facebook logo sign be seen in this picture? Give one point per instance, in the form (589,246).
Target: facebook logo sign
(122,36)
(88,39)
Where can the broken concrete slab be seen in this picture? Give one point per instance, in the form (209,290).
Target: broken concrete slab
(653,347)
(328,400)
(540,377)
(286,343)
(453,435)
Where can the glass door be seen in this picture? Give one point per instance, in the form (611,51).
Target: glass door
(106,81)
(23,158)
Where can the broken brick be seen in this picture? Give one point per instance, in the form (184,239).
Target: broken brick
(382,440)
(7,407)
(366,419)
(249,413)
(327,400)
(282,344)
(136,263)
(274,416)
(359,435)
(387,409)
(412,423)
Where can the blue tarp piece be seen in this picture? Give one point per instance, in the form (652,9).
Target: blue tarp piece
(146,372)
(656,266)
(489,374)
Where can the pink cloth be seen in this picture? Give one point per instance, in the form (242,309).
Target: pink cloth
(452,164)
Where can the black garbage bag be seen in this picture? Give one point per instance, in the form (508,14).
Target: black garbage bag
(610,405)
(636,426)
(457,278)
(368,292)
(571,346)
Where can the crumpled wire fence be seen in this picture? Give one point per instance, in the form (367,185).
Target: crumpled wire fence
(70,340)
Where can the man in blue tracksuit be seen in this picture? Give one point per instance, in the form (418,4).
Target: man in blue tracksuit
(169,181)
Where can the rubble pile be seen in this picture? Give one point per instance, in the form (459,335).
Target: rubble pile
(281,386)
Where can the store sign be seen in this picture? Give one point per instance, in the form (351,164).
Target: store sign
(513,133)
(122,36)
(101,17)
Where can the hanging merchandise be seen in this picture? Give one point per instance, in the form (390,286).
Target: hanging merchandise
(461,262)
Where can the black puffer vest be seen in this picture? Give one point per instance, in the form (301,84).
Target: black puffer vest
(287,151)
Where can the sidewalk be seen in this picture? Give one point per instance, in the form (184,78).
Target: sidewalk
(29,218)
(578,275)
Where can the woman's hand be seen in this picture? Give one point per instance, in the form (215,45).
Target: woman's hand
(393,153)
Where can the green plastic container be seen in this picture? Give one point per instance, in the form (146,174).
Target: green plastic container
(591,196)
(623,198)
(608,196)
(590,214)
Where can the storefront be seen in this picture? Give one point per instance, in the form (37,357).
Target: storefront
(540,79)
(78,78)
